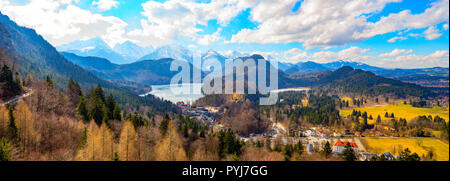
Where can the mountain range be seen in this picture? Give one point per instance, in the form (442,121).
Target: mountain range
(176,52)
(33,55)
(149,72)
(309,67)
(349,80)
(126,52)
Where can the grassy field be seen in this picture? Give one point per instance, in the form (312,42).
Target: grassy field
(349,99)
(400,110)
(417,145)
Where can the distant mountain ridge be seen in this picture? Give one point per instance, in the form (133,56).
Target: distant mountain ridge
(303,68)
(151,72)
(131,50)
(176,52)
(349,80)
(93,47)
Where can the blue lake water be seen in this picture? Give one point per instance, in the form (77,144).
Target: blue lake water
(187,93)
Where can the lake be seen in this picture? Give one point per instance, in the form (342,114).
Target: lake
(291,89)
(176,93)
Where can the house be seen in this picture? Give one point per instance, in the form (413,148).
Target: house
(389,156)
(367,156)
(212,109)
(310,133)
(309,148)
(339,146)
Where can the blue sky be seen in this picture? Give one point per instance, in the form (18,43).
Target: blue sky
(392,33)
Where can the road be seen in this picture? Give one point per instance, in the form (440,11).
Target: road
(17,98)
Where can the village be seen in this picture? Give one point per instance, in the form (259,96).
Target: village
(313,138)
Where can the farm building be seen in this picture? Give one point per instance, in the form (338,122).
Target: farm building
(339,146)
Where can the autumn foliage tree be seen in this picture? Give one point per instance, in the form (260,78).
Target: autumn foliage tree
(170,148)
(128,143)
(28,135)
(3,120)
(99,144)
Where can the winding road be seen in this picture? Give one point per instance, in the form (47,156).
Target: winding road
(16,99)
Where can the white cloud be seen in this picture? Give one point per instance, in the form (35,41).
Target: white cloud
(62,22)
(329,22)
(396,52)
(210,39)
(175,19)
(105,4)
(394,39)
(445,27)
(432,33)
(397,58)
(436,59)
(355,54)
(437,13)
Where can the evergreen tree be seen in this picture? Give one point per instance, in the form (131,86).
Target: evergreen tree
(202,132)
(98,93)
(349,154)
(153,121)
(287,152)
(5,150)
(12,127)
(406,155)
(111,105)
(98,111)
(185,131)
(73,90)
(117,113)
(83,110)
(8,87)
(49,81)
(298,148)
(163,125)
(379,119)
(116,157)
(327,149)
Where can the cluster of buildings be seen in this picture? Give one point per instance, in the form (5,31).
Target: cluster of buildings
(321,132)
(441,101)
(202,114)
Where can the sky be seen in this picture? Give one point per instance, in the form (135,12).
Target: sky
(384,33)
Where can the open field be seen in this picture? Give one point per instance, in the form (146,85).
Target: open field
(349,99)
(418,145)
(400,110)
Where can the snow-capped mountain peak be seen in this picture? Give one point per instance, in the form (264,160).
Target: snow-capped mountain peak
(176,52)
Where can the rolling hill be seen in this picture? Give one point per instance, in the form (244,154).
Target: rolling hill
(349,80)
(305,68)
(302,68)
